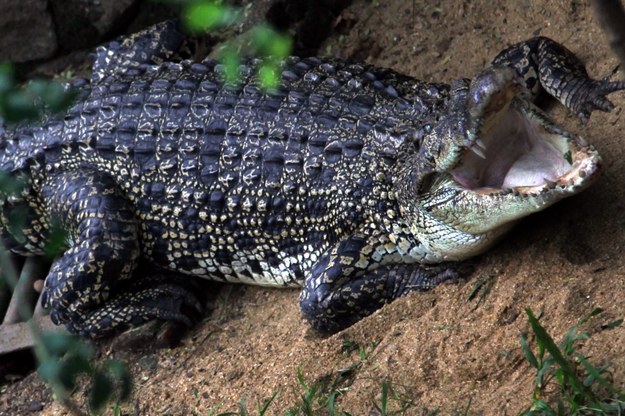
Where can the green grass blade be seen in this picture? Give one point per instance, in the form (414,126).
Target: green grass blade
(263,409)
(545,339)
(596,375)
(383,400)
(611,325)
(331,406)
(594,312)
(529,355)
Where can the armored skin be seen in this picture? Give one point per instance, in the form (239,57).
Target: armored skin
(355,183)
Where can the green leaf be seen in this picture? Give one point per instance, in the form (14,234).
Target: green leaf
(542,407)
(57,240)
(18,105)
(268,76)
(270,43)
(242,407)
(568,157)
(596,375)
(348,346)
(10,185)
(49,370)
(207,15)
(613,324)
(544,338)
(300,377)
(6,77)
(231,62)
(529,355)
(263,409)
(29,103)
(73,365)
(56,343)
(594,312)
(331,405)
(119,371)
(384,398)
(101,391)
(17,223)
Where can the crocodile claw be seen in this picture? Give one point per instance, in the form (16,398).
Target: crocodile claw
(165,301)
(595,97)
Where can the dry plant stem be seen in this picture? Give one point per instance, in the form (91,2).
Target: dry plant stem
(611,17)
(11,275)
(22,293)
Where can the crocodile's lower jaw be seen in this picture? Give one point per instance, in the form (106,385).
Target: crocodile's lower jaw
(526,164)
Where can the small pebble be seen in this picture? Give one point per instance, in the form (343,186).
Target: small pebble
(38,285)
(35,406)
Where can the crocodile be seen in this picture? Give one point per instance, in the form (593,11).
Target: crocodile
(355,183)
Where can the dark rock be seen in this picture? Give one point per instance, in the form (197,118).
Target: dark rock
(35,406)
(310,21)
(27,31)
(84,23)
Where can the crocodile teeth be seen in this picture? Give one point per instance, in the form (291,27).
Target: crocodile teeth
(479,150)
(479,143)
(550,183)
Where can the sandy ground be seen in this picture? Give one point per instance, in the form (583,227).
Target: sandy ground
(439,350)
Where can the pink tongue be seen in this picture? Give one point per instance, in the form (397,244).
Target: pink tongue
(465,179)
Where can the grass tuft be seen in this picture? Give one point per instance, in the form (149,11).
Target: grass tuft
(583,388)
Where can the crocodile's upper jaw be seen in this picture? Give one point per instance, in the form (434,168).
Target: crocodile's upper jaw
(523,163)
(521,153)
(524,152)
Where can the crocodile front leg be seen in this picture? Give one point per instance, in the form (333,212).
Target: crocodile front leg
(547,64)
(361,274)
(89,288)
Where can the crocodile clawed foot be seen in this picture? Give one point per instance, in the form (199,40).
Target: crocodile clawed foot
(155,334)
(594,94)
(163,301)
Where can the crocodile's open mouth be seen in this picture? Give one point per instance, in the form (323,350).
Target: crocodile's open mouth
(521,151)
(519,162)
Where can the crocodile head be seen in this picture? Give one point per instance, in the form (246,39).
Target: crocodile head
(506,160)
